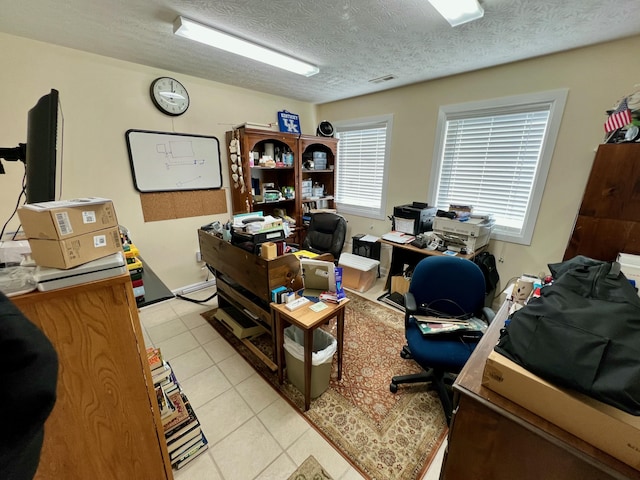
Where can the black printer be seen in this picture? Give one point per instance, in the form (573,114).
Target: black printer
(413,218)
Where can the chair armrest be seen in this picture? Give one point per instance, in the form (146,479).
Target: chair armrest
(488,314)
(410,303)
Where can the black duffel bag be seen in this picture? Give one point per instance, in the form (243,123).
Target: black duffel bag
(582,333)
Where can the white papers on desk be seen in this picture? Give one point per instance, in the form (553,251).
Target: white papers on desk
(369,239)
(398,237)
(405,225)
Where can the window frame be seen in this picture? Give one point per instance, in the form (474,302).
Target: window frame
(362,124)
(556,101)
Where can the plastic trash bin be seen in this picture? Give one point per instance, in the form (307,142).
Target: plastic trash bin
(324,346)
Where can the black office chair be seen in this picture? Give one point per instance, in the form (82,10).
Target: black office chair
(326,234)
(442,286)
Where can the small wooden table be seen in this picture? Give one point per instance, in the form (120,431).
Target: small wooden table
(308,321)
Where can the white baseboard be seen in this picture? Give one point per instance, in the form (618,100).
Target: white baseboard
(195,287)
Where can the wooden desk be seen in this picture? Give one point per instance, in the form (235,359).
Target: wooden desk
(492,438)
(407,254)
(308,321)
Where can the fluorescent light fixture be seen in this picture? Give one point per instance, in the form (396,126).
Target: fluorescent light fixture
(215,38)
(458,12)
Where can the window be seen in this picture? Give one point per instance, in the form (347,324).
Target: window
(495,156)
(363,158)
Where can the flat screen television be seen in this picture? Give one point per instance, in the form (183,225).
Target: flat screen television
(42,154)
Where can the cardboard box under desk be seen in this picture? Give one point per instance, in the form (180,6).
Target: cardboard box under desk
(603,426)
(77,250)
(67,218)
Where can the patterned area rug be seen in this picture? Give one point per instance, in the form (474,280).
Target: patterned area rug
(310,470)
(386,436)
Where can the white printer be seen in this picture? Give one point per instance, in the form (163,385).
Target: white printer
(464,236)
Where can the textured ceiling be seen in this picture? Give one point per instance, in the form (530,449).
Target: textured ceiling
(351,41)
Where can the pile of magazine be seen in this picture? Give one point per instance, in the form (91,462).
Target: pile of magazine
(431,325)
(185,439)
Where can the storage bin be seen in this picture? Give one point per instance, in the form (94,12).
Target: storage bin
(358,273)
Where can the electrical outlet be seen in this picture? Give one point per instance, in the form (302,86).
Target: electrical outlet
(198,257)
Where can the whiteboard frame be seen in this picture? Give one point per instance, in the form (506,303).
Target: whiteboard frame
(149,175)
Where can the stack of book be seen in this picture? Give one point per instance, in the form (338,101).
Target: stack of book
(134,266)
(185,439)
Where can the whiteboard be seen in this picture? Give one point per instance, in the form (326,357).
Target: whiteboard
(166,162)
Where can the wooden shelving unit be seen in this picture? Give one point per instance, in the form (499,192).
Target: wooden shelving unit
(302,147)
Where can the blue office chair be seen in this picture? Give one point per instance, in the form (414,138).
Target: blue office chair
(442,286)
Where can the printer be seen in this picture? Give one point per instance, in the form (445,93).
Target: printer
(413,218)
(464,236)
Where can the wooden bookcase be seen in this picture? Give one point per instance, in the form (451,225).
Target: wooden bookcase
(608,221)
(301,146)
(106,421)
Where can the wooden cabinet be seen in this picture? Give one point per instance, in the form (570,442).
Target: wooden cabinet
(248,175)
(608,221)
(105,423)
(245,280)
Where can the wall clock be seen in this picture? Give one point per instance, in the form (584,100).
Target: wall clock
(169,96)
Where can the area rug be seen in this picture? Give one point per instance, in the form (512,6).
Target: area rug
(385,436)
(310,470)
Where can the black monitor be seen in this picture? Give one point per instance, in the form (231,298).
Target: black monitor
(42,154)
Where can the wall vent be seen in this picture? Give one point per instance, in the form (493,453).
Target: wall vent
(386,78)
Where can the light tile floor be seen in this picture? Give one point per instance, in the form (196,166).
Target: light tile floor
(252,432)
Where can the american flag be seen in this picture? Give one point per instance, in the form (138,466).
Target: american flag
(620,117)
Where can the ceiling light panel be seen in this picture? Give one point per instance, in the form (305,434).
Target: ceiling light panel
(215,38)
(458,12)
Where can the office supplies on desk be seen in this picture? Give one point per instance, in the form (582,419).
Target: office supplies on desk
(398,237)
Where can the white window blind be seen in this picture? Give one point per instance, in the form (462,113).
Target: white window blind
(497,160)
(362,163)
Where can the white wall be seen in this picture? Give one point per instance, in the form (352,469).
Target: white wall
(597,77)
(101,99)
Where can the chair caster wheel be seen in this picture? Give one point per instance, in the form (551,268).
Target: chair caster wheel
(393,388)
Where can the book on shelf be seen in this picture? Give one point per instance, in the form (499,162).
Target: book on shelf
(186,447)
(191,454)
(176,432)
(162,374)
(193,432)
(166,406)
(154,357)
(180,415)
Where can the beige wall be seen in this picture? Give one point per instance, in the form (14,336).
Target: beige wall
(596,78)
(101,99)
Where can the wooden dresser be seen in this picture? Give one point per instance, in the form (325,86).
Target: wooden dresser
(492,438)
(105,423)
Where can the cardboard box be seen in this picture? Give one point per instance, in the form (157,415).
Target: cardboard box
(603,426)
(400,284)
(77,250)
(67,218)
(358,273)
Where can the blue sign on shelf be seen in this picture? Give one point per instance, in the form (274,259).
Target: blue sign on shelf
(288,122)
